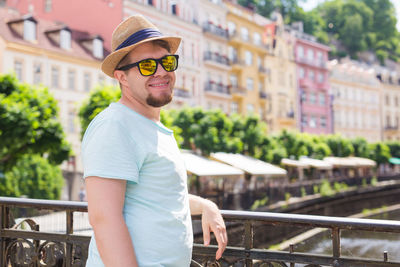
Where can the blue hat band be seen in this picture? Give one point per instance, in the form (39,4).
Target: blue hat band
(139,36)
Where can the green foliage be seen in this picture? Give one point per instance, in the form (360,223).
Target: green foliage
(287,196)
(379,152)
(303,192)
(316,189)
(374,181)
(339,187)
(100,98)
(364,182)
(29,124)
(360,146)
(326,189)
(259,203)
(34,177)
(394,147)
(339,146)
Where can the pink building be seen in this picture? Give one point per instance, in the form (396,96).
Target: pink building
(93,16)
(315,105)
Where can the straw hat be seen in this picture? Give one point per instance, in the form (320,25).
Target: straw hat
(130,33)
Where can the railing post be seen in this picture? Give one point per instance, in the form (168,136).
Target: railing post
(336,242)
(248,241)
(70,231)
(5,223)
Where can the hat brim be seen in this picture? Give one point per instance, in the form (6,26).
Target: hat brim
(112,60)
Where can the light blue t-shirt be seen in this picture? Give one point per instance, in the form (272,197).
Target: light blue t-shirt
(121,144)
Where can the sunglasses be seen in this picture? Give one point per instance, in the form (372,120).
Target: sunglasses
(149,66)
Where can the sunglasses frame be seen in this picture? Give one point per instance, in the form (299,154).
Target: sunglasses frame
(157,60)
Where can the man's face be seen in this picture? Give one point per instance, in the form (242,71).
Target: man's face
(155,90)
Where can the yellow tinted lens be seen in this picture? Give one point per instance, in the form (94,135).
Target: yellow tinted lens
(169,63)
(148,67)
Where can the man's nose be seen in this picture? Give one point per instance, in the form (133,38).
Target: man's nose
(160,71)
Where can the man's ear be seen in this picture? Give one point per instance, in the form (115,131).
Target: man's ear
(121,77)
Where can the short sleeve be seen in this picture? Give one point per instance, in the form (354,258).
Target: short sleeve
(108,151)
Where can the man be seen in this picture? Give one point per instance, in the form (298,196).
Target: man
(136,188)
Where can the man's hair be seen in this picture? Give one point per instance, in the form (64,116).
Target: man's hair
(161,43)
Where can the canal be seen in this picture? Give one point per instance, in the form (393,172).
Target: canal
(361,244)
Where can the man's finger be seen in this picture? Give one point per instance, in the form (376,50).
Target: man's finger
(222,242)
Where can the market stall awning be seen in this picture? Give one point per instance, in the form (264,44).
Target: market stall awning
(340,162)
(395,161)
(248,164)
(363,162)
(294,163)
(316,163)
(202,166)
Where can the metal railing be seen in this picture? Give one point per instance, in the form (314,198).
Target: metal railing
(31,247)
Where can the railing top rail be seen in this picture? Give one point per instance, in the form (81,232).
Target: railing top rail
(44,203)
(315,220)
(232,215)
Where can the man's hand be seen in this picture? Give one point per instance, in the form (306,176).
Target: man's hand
(211,221)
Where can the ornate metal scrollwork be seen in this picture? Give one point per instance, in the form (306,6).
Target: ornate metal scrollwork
(20,252)
(51,254)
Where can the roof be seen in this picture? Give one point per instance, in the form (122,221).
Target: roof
(248,164)
(350,162)
(8,16)
(201,166)
(294,163)
(316,163)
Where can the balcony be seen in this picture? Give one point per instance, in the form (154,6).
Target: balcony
(263,70)
(305,83)
(263,95)
(33,246)
(219,88)
(182,93)
(209,27)
(238,90)
(390,128)
(217,58)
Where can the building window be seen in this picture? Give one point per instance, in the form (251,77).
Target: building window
(322,99)
(71,121)
(244,32)
(304,120)
(250,108)
(310,55)
(322,121)
(387,120)
(300,51)
(313,98)
(313,121)
(311,75)
(234,107)
(234,80)
(55,77)
(257,38)
(249,84)
(65,39)
(396,101)
(320,77)
(48,5)
(37,73)
(387,100)
(174,8)
(302,73)
(150,2)
(248,58)
(303,96)
(71,80)
(86,82)
(18,69)
(29,30)
(231,28)
(97,48)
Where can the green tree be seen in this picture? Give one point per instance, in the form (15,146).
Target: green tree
(394,147)
(360,146)
(29,124)
(32,176)
(379,152)
(100,98)
(340,147)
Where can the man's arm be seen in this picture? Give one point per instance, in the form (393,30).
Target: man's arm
(211,221)
(105,204)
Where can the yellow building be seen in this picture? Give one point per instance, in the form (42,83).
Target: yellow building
(247,52)
(357,100)
(390,81)
(281,83)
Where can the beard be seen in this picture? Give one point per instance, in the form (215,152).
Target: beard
(160,101)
